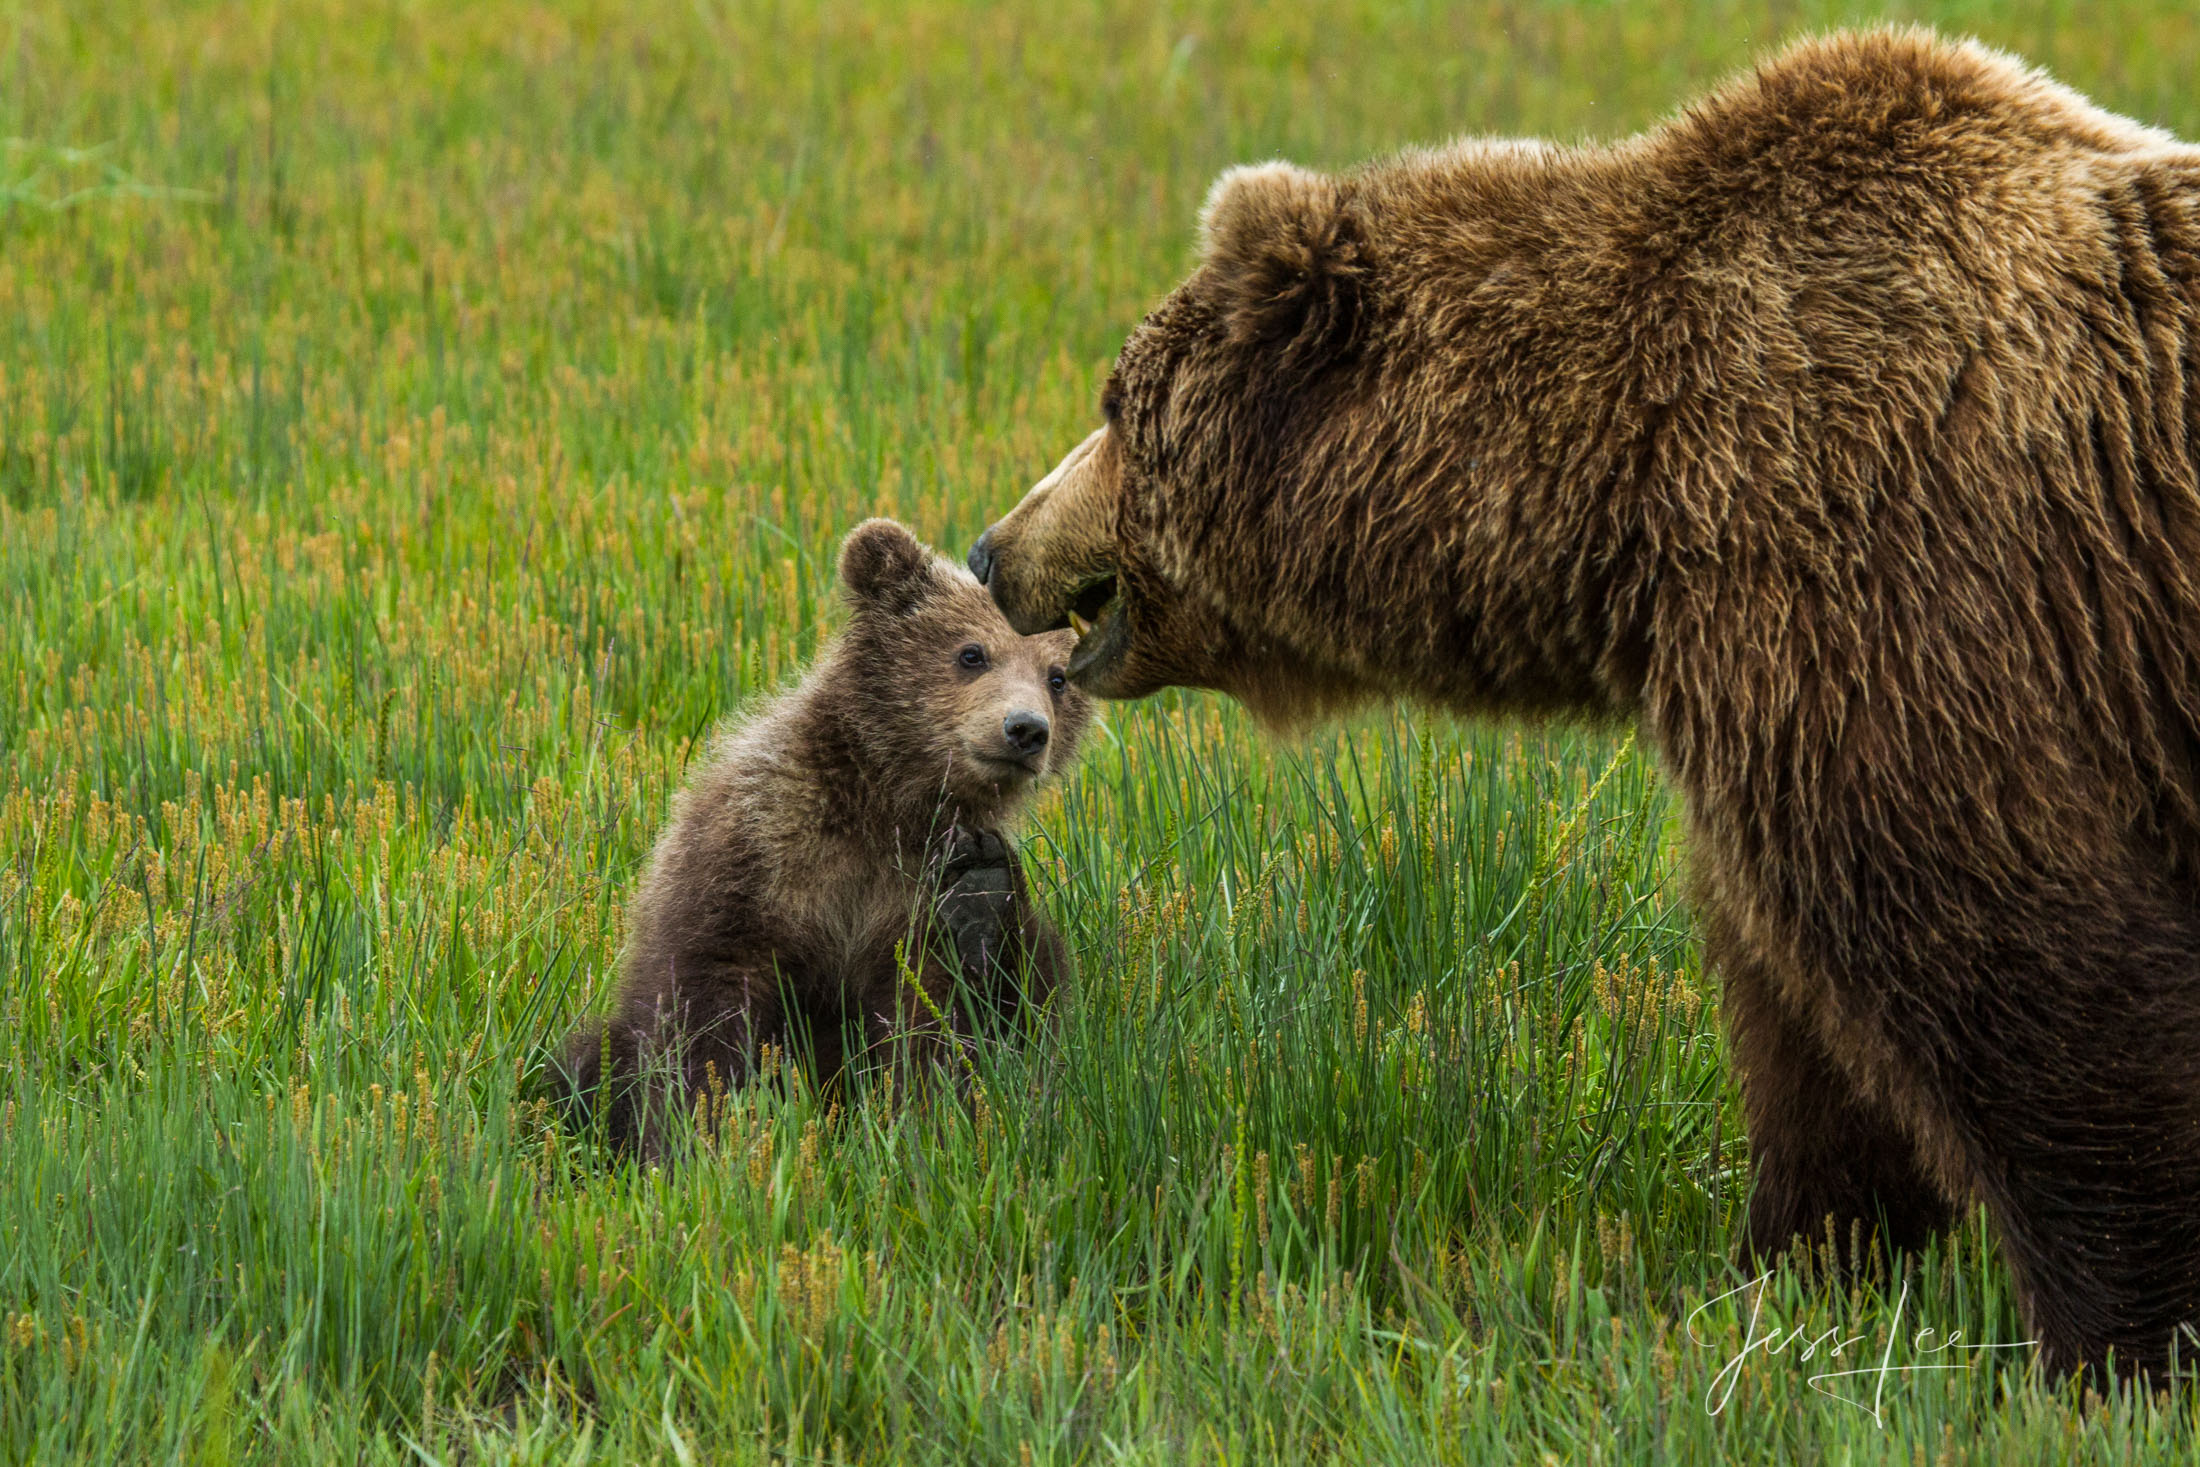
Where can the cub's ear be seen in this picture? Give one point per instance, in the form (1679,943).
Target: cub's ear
(882,565)
(1283,248)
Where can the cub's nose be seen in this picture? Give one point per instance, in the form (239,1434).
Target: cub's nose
(981,565)
(1026,732)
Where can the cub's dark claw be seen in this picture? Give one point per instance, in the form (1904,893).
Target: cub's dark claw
(978,897)
(969,854)
(971,849)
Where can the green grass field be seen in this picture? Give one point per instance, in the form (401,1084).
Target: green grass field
(418,423)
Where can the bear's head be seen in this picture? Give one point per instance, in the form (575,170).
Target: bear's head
(954,701)
(1159,533)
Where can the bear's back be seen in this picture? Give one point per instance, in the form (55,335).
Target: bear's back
(766,860)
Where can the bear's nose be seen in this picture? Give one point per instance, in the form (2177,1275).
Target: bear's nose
(1027,732)
(981,560)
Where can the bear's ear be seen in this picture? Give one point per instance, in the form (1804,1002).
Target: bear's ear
(883,565)
(1284,251)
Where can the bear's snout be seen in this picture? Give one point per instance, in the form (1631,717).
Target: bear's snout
(1026,732)
(981,559)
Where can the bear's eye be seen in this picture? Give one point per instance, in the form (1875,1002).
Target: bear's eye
(1057,681)
(972,657)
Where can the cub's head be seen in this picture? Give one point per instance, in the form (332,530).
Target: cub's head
(1164,538)
(952,694)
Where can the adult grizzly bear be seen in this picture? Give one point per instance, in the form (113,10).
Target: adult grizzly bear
(847,826)
(1842,431)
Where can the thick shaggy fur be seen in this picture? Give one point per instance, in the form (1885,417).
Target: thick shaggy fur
(1843,431)
(858,812)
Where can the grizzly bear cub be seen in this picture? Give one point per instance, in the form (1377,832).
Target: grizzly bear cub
(845,829)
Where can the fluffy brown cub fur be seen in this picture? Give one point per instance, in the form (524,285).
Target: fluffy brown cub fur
(1844,432)
(860,811)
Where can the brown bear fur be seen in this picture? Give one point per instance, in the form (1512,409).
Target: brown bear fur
(1844,431)
(857,813)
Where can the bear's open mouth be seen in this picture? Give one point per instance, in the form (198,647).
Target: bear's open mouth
(1102,629)
(1090,603)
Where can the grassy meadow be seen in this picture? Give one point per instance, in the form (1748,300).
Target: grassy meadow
(419,423)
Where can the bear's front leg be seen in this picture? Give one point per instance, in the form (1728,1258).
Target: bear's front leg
(1824,1157)
(977,902)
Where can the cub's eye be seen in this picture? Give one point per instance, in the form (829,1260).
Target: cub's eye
(972,657)
(1057,681)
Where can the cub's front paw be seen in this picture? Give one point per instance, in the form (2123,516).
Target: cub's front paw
(978,897)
